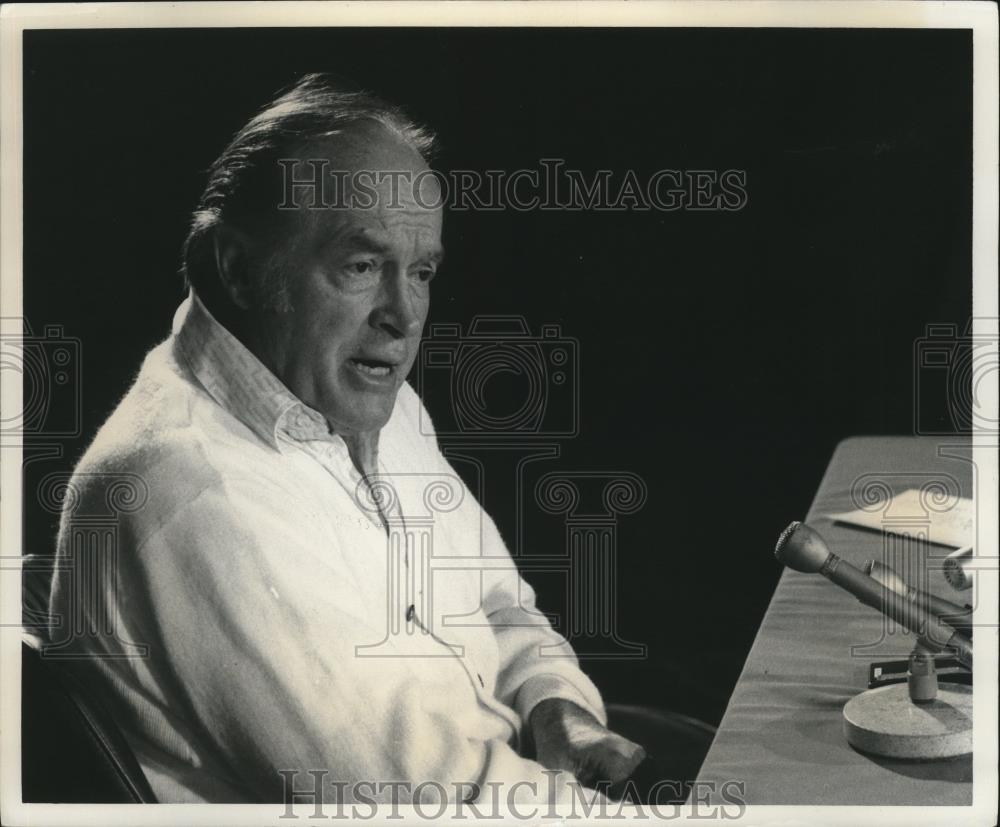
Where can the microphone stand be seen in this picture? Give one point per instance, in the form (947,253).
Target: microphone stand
(923,720)
(924,668)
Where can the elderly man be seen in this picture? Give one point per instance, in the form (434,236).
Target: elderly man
(282,451)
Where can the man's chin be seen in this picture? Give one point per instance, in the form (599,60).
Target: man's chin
(368,413)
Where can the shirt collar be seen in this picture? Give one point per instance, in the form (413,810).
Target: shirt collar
(240,382)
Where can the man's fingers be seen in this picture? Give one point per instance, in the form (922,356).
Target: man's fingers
(557,760)
(635,756)
(628,751)
(610,761)
(608,758)
(623,762)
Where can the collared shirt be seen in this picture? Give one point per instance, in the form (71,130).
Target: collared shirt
(259,607)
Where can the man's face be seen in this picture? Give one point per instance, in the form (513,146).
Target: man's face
(358,287)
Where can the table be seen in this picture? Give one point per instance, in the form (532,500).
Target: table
(782,732)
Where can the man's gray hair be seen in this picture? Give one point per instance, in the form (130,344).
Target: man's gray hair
(244,182)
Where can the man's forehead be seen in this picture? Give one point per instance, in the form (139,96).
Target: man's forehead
(364,146)
(377,224)
(419,239)
(370,168)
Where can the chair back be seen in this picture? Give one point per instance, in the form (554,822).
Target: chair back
(71,749)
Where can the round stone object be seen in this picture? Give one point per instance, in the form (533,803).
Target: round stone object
(884,721)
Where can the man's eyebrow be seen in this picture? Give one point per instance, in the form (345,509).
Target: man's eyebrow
(436,256)
(360,240)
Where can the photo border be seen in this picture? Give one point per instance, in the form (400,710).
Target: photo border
(979,17)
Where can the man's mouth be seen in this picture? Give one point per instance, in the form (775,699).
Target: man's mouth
(373,367)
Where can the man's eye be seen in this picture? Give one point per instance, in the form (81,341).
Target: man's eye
(426,273)
(362,268)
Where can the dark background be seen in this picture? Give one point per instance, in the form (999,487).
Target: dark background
(722,355)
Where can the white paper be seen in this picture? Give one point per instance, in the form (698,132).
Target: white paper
(949,519)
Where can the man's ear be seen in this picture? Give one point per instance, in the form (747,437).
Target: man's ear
(232,258)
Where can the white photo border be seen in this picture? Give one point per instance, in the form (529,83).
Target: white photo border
(979,17)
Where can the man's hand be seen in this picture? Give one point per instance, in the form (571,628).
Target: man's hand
(568,737)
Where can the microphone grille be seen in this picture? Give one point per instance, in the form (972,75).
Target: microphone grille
(783,537)
(958,576)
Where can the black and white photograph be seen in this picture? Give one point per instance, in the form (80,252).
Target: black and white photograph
(551,412)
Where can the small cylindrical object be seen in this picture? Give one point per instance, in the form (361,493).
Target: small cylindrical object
(922,676)
(958,569)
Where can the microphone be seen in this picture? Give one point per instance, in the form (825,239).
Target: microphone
(951,613)
(802,549)
(957,569)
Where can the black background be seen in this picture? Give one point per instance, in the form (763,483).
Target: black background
(722,354)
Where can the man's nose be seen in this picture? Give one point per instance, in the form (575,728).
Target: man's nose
(397,312)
